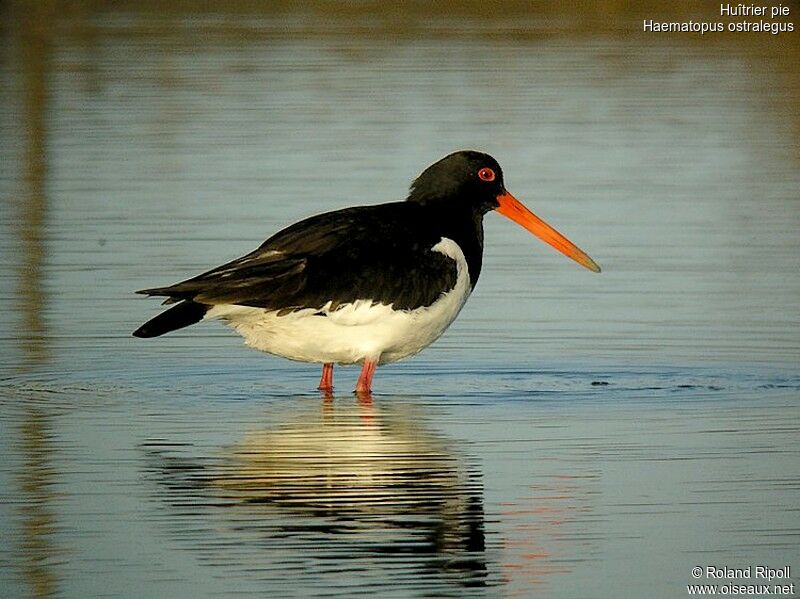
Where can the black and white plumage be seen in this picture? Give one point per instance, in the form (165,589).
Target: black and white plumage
(368,284)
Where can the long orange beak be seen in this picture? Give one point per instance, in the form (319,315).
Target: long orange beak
(512,208)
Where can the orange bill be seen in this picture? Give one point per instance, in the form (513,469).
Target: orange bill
(512,208)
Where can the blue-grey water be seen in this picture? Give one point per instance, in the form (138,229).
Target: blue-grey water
(572,435)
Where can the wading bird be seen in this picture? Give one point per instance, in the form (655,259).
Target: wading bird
(365,285)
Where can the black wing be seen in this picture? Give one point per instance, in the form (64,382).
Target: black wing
(379,253)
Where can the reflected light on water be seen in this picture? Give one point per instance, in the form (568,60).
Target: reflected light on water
(38,520)
(34,34)
(37,549)
(348,482)
(535,524)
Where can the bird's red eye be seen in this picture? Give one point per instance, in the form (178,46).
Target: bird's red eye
(486,174)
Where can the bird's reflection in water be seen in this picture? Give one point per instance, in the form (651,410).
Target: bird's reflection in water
(363,486)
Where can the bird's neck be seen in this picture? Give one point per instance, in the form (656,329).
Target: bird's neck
(466,229)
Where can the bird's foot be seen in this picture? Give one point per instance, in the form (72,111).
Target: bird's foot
(326,381)
(364,384)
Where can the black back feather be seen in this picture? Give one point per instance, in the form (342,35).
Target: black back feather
(380,253)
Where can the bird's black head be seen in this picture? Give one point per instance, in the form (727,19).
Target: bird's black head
(473,181)
(467,177)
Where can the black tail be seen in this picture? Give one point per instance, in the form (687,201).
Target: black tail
(177,317)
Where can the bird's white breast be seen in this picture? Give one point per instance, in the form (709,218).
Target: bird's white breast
(352,332)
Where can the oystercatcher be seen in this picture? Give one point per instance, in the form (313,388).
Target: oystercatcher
(369,284)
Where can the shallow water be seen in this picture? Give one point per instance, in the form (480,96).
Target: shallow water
(571,435)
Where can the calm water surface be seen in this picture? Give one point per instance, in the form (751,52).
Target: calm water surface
(572,435)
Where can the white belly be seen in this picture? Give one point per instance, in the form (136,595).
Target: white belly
(352,332)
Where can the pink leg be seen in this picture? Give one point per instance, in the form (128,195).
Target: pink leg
(326,382)
(364,384)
